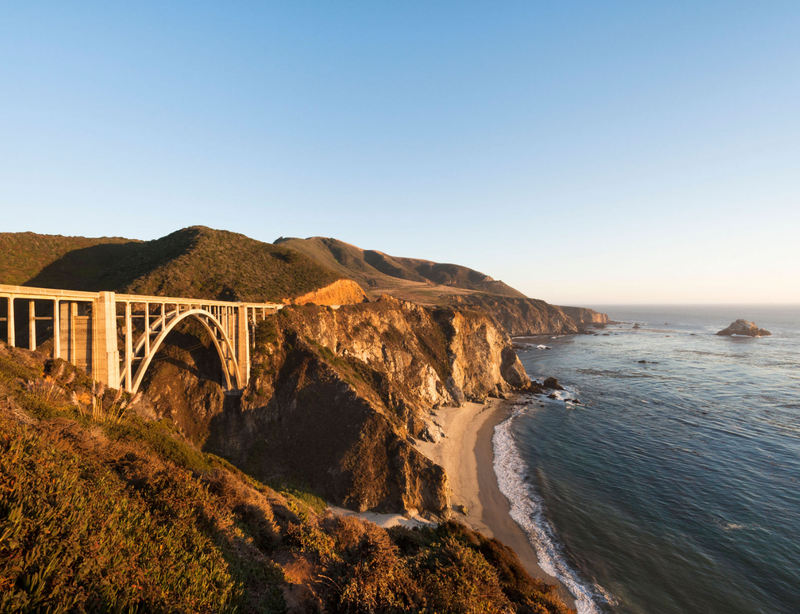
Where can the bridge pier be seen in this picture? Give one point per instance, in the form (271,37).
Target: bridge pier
(105,355)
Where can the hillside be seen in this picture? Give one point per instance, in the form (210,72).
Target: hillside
(195,262)
(421,281)
(53,259)
(199,262)
(444,285)
(102,511)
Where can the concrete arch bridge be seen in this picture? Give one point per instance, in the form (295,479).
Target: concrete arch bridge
(114,337)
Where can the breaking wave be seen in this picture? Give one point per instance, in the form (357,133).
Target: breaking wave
(527,509)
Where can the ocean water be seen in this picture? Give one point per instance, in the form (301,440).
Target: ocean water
(674,486)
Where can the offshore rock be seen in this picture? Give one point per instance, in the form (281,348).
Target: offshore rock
(552,384)
(745,329)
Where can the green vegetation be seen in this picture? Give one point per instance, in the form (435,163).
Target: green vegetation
(76,538)
(447,570)
(49,260)
(195,262)
(102,511)
(226,265)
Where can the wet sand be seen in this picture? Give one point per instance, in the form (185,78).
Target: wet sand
(467,456)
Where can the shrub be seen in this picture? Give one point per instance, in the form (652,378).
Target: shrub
(74,538)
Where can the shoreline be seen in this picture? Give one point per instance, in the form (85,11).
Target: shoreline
(467,455)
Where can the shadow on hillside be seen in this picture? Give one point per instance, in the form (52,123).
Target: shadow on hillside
(112,266)
(99,267)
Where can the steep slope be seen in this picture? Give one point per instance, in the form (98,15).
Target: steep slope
(584,316)
(521,316)
(102,511)
(231,266)
(195,262)
(48,260)
(335,396)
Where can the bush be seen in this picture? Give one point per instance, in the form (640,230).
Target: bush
(74,538)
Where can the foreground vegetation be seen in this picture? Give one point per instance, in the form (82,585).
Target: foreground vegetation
(101,511)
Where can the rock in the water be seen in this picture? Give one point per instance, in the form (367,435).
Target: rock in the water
(744,328)
(552,383)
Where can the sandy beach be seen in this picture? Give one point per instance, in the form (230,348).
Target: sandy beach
(466,455)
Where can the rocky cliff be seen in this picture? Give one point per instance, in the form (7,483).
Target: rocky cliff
(583,316)
(520,316)
(341,292)
(529,316)
(337,394)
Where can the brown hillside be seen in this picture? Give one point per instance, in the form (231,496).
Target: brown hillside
(421,281)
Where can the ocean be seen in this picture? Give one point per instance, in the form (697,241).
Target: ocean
(673,486)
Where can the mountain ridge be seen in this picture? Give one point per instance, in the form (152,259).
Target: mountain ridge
(200,262)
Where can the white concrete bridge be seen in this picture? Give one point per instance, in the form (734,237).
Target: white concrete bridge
(114,337)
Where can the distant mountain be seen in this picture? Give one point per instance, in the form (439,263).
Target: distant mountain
(413,279)
(196,262)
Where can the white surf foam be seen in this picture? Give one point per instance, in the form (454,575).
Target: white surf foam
(527,510)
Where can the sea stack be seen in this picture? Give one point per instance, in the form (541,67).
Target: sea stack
(745,329)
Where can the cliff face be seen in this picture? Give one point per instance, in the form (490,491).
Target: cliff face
(521,316)
(336,395)
(341,292)
(584,316)
(528,316)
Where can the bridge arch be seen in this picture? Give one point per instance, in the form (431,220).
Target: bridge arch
(222,343)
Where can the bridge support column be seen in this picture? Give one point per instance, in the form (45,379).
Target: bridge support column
(56,330)
(105,355)
(243,345)
(12,326)
(31,325)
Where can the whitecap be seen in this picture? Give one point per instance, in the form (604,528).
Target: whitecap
(733,526)
(527,509)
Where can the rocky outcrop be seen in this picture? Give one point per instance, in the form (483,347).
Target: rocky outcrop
(519,316)
(341,292)
(744,329)
(337,396)
(583,316)
(552,384)
(480,354)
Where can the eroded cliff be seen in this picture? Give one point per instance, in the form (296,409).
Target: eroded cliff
(336,396)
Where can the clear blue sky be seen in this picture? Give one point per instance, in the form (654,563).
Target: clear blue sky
(584,152)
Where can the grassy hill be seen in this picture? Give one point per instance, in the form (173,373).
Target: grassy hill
(101,511)
(69,260)
(421,281)
(195,262)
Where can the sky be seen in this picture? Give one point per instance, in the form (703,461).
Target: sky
(585,153)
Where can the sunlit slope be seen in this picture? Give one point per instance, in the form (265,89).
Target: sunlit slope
(413,279)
